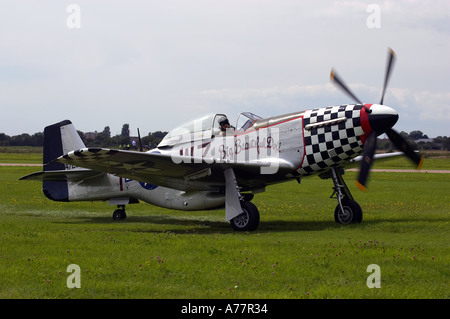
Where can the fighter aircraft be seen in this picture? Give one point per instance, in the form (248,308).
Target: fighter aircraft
(206,163)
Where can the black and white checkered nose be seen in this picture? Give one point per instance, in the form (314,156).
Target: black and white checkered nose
(382,118)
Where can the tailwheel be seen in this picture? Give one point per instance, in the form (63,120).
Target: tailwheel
(119,214)
(248,220)
(348,212)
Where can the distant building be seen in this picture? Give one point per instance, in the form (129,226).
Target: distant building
(134,139)
(91,135)
(424,140)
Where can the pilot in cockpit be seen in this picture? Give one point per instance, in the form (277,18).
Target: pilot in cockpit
(224,126)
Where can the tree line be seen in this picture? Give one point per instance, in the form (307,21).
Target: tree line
(91,139)
(418,140)
(124,140)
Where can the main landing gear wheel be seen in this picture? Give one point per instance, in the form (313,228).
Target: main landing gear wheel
(352,213)
(347,211)
(248,220)
(119,214)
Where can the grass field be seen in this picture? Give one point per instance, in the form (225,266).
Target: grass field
(297,252)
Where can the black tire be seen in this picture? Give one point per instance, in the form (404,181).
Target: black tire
(248,220)
(352,213)
(119,214)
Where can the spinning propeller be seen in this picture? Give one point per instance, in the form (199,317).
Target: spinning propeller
(381,120)
(141,149)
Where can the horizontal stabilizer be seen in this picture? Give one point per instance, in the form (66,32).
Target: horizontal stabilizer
(62,175)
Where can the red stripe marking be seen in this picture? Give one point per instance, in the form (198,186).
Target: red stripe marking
(364,116)
(304,147)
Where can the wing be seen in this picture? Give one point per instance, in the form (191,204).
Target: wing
(183,173)
(159,169)
(378,157)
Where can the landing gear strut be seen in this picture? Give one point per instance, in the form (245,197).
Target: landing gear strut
(119,213)
(242,214)
(348,210)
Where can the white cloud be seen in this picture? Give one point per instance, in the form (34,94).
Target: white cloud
(413,106)
(152,64)
(426,105)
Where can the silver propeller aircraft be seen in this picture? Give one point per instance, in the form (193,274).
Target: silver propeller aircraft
(206,164)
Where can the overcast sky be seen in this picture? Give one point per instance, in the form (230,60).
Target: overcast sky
(156,64)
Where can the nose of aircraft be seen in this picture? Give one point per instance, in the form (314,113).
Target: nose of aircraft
(382,118)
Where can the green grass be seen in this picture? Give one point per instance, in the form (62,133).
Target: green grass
(21,156)
(297,252)
(436,161)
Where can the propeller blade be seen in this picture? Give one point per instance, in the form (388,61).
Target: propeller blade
(338,81)
(369,150)
(405,147)
(390,63)
(140,141)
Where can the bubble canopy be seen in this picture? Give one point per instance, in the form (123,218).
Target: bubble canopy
(205,127)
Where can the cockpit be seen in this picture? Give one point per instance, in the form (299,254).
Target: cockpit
(207,127)
(246,120)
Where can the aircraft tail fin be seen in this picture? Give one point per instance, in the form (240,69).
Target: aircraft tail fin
(59,139)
